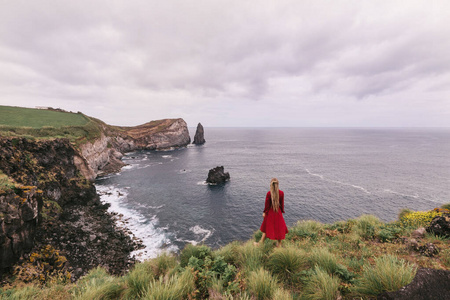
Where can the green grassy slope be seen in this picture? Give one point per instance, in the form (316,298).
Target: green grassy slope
(47,124)
(39,118)
(353,259)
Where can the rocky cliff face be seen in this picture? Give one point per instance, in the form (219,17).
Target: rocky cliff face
(19,211)
(104,154)
(50,198)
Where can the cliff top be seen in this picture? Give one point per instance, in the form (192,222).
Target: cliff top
(50,123)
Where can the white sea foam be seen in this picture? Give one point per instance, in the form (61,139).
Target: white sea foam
(201,233)
(338,182)
(202,183)
(401,194)
(152,237)
(167,156)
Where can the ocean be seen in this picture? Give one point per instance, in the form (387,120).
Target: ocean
(327,174)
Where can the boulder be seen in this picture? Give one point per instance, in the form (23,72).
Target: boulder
(217,175)
(199,138)
(427,284)
(418,233)
(440,225)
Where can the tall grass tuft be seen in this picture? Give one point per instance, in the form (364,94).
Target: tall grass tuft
(261,284)
(250,257)
(177,287)
(229,252)
(321,286)
(324,259)
(388,274)
(138,279)
(305,229)
(281,294)
(23,293)
(198,251)
(366,226)
(163,263)
(98,284)
(287,262)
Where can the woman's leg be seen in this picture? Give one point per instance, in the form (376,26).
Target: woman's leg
(278,243)
(261,240)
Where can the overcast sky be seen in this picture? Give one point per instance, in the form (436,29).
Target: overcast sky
(231,63)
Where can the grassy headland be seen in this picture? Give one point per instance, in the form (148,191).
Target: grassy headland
(357,258)
(47,124)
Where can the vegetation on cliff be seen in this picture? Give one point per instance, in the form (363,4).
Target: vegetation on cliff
(355,258)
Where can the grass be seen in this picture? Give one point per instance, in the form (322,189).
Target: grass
(321,286)
(261,284)
(388,274)
(6,183)
(341,261)
(39,118)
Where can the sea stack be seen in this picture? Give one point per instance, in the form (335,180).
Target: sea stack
(217,175)
(199,138)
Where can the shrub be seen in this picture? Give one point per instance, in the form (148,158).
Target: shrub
(389,232)
(403,212)
(419,218)
(446,206)
(304,229)
(366,226)
(342,226)
(388,274)
(261,284)
(321,285)
(26,292)
(200,252)
(287,262)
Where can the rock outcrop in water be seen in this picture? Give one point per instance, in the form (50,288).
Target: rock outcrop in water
(217,175)
(199,138)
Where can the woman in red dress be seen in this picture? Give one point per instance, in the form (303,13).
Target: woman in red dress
(273,225)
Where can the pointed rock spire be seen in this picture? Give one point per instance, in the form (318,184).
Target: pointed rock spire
(199,138)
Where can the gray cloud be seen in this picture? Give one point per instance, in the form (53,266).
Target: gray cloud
(162,57)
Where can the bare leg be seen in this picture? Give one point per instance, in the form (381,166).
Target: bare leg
(261,240)
(278,243)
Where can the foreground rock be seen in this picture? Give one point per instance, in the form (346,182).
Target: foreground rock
(440,225)
(217,175)
(427,284)
(199,138)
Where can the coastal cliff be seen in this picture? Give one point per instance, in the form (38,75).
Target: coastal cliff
(47,196)
(104,153)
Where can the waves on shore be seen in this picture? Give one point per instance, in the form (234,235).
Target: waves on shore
(154,239)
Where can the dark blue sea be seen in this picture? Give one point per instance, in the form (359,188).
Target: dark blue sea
(326,174)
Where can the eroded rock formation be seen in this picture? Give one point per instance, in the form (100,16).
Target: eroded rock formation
(440,225)
(199,138)
(217,175)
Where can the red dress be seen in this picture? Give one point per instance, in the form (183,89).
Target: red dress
(273,224)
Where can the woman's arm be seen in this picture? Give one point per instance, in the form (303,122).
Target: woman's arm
(268,203)
(282,202)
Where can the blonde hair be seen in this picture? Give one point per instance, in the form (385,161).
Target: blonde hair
(274,194)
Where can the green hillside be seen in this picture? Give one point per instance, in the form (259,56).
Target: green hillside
(39,118)
(47,124)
